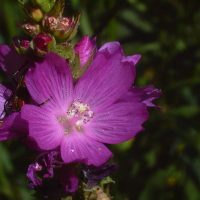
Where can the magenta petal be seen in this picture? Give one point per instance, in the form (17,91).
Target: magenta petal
(110,48)
(118,123)
(50,82)
(134,59)
(85,48)
(13,126)
(148,95)
(10,60)
(43,127)
(79,148)
(145,95)
(107,79)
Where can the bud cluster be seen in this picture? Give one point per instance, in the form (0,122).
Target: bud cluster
(50,31)
(46,25)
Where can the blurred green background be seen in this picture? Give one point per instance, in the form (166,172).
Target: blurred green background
(163,162)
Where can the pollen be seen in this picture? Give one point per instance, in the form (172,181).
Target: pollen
(77,116)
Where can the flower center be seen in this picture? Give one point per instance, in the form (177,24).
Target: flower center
(76,117)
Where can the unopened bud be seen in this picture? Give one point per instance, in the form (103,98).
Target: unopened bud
(41,42)
(36,14)
(85,49)
(50,23)
(67,28)
(63,28)
(31,29)
(21,45)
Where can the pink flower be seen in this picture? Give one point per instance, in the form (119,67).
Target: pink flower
(80,119)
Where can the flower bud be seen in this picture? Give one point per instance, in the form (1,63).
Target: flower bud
(50,23)
(41,42)
(31,29)
(63,28)
(36,14)
(21,45)
(85,49)
(33,12)
(67,28)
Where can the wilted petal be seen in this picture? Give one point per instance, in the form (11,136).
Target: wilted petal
(70,180)
(10,60)
(4,96)
(42,169)
(32,175)
(49,169)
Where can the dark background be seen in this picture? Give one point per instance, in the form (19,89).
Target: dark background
(163,162)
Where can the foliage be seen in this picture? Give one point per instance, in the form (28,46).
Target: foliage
(162,162)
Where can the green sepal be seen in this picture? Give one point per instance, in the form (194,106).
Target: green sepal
(31,45)
(70,32)
(45,5)
(57,9)
(75,68)
(35,14)
(75,28)
(65,50)
(107,180)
